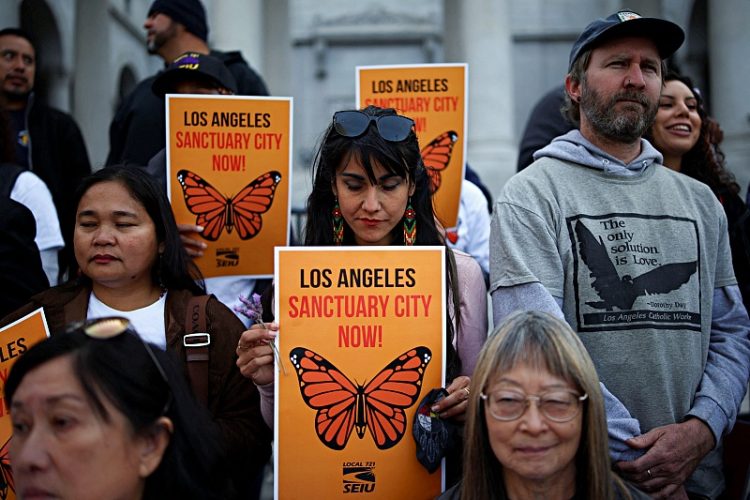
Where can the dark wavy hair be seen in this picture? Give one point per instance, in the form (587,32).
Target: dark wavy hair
(401,158)
(175,270)
(120,371)
(705,160)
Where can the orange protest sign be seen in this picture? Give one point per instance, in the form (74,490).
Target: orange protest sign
(435,96)
(229,170)
(17,338)
(362,335)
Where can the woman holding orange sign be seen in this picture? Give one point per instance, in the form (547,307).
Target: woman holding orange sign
(371,188)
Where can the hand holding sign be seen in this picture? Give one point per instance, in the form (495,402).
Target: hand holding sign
(255,353)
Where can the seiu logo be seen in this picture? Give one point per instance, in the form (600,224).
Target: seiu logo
(359,478)
(227,257)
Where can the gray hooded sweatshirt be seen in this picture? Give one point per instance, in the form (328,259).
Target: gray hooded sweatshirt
(636,258)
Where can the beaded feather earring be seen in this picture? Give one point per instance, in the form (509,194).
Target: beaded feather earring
(338,224)
(410,225)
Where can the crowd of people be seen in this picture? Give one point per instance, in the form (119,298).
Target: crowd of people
(616,263)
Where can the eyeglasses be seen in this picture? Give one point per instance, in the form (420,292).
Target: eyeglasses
(558,406)
(393,128)
(113,326)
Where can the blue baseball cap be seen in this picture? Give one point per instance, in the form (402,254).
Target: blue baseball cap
(667,36)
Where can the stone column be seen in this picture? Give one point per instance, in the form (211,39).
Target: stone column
(728,41)
(9,14)
(238,25)
(95,76)
(480,32)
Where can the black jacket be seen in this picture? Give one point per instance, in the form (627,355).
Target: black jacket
(137,131)
(738,223)
(544,124)
(21,272)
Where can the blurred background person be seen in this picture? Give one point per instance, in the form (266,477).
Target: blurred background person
(545,122)
(26,188)
(98,413)
(47,141)
(536,425)
(195,73)
(22,273)
(173,27)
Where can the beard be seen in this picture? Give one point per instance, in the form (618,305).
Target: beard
(627,125)
(159,39)
(14,94)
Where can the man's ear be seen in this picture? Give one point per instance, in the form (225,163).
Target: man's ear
(573,88)
(152,444)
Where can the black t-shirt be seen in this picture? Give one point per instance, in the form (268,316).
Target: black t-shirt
(20,137)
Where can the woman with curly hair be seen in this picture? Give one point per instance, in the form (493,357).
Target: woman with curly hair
(689,140)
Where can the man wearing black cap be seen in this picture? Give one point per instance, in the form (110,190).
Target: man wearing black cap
(173,27)
(636,258)
(195,73)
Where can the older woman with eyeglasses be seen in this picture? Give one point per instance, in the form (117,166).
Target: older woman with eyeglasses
(535,425)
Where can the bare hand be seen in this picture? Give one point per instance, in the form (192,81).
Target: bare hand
(674,451)
(255,355)
(193,247)
(455,403)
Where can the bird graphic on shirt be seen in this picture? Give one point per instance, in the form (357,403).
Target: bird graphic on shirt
(621,292)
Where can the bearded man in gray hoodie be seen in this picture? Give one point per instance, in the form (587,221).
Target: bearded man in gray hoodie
(636,258)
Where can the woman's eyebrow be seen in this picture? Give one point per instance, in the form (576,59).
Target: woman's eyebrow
(385,177)
(353,176)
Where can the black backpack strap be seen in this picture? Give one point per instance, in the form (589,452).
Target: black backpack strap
(196,342)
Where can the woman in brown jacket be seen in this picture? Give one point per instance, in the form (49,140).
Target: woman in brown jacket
(132,264)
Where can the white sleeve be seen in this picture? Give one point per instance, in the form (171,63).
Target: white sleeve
(473,228)
(31,191)
(51,265)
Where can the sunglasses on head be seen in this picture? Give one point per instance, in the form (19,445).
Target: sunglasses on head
(393,128)
(114,326)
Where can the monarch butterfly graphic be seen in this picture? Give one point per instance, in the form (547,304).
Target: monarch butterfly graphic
(7,484)
(216,211)
(437,155)
(344,405)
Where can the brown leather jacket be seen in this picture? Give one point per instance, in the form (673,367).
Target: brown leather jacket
(232,399)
